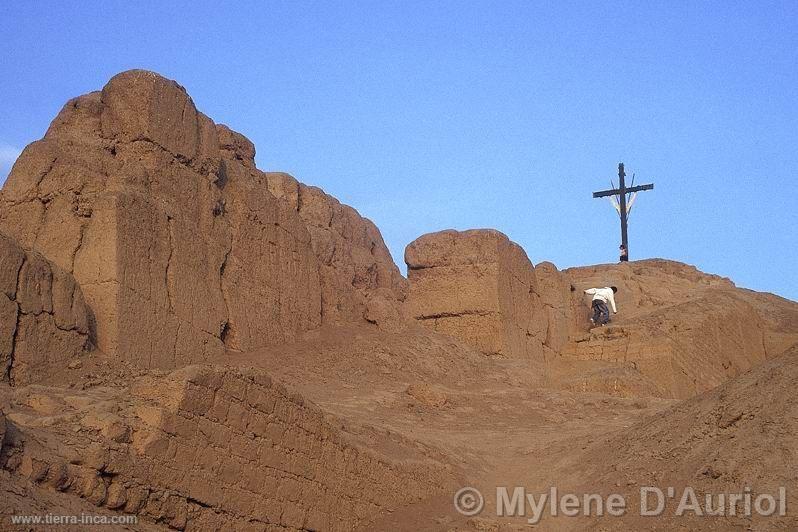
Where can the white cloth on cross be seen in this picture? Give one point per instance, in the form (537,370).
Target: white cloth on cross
(617,204)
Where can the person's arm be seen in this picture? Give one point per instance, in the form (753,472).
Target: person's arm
(612,302)
(590,291)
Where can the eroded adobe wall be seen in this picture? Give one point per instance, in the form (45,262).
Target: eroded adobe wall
(683,349)
(182,246)
(678,331)
(44,320)
(681,331)
(480,287)
(358,275)
(166,224)
(209,448)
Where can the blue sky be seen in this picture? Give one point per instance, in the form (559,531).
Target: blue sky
(434,115)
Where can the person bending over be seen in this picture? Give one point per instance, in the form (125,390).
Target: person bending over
(602,296)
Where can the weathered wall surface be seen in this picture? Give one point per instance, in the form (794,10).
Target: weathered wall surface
(209,448)
(44,320)
(480,287)
(166,224)
(357,273)
(684,330)
(643,286)
(678,331)
(683,349)
(183,248)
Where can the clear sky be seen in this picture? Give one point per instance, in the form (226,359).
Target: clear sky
(434,115)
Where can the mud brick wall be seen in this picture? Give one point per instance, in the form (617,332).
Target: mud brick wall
(355,265)
(166,224)
(44,320)
(210,448)
(480,287)
(724,339)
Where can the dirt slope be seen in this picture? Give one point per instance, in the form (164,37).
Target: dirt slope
(740,435)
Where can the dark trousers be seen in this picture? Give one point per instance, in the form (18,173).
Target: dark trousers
(601,313)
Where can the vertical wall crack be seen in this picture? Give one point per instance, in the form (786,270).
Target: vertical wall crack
(226,333)
(10,363)
(168,273)
(78,247)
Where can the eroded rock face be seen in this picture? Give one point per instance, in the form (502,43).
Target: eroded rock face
(44,320)
(166,224)
(355,265)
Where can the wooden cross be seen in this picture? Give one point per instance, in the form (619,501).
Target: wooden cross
(621,192)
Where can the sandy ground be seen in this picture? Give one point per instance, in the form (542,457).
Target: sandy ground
(493,418)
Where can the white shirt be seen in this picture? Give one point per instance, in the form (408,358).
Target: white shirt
(603,294)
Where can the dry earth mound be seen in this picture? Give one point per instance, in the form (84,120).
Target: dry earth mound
(741,435)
